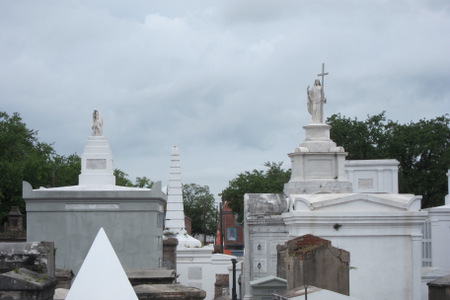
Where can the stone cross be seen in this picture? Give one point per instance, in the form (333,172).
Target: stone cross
(323,76)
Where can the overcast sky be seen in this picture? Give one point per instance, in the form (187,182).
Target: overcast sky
(224,81)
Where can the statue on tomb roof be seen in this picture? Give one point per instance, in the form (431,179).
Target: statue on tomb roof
(97,124)
(316,100)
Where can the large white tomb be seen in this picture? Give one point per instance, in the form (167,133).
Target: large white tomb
(380,228)
(71,216)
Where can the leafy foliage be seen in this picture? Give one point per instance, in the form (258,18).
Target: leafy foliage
(23,157)
(199,206)
(123,180)
(271,180)
(422,148)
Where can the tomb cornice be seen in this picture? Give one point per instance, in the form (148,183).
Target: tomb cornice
(314,202)
(358,219)
(97,192)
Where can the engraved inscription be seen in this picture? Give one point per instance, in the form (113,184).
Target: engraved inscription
(365,183)
(195,273)
(96,164)
(320,167)
(105,206)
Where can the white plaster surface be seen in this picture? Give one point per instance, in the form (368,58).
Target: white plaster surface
(101,276)
(382,232)
(321,294)
(60,294)
(373,176)
(175,209)
(354,202)
(186,241)
(97,164)
(198,267)
(439,218)
(317,164)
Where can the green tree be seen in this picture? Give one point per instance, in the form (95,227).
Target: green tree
(65,170)
(422,149)
(143,182)
(200,207)
(122,178)
(24,157)
(271,180)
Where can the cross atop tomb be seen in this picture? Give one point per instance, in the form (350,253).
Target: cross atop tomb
(323,73)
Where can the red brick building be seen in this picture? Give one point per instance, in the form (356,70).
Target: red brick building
(232,233)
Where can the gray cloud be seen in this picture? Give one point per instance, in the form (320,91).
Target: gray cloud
(224,81)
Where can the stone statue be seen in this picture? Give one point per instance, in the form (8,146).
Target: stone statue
(316,99)
(97,124)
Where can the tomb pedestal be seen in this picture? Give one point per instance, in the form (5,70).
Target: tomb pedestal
(97,162)
(318,164)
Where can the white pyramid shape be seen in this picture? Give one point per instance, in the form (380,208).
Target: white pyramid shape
(101,276)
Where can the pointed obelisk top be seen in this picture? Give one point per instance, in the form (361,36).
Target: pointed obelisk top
(175,211)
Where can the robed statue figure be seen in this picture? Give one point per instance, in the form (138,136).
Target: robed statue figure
(97,124)
(316,99)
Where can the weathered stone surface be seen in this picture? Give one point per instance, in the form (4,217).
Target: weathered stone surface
(168,292)
(63,278)
(147,276)
(266,204)
(263,288)
(34,256)
(23,284)
(169,253)
(264,229)
(439,289)
(221,285)
(310,260)
(15,219)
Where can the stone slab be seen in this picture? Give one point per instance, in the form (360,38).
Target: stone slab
(23,284)
(168,292)
(151,276)
(35,256)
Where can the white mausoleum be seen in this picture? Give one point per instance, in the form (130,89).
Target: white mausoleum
(354,204)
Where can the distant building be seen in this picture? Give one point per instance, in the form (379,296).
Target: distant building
(232,231)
